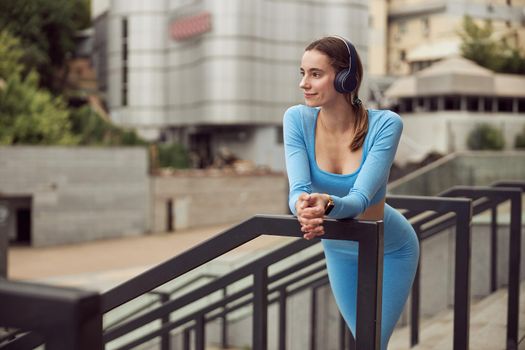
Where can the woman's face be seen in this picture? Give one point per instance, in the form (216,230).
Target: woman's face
(318,79)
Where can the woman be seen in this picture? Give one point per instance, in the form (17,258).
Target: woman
(338,157)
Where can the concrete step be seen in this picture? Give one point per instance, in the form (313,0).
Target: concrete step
(488,326)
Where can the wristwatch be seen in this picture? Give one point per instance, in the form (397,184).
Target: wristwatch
(329,205)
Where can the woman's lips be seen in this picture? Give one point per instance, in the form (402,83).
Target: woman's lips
(306,95)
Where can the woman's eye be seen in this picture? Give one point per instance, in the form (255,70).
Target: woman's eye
(316,75)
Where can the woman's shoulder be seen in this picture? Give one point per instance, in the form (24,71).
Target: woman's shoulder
(379,118)
(300,114)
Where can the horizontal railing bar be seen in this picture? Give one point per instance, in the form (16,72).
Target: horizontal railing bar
(153,302)
(10,335)
(278,225)
(179,265)
(205,290)
(322,280)
(28,340)
(211,307)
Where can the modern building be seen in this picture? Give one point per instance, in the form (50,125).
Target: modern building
(421,32)
(441,104)
(214,74)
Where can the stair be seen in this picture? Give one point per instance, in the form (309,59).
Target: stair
(488,318)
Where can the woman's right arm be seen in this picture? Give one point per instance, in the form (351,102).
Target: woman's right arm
(296,157)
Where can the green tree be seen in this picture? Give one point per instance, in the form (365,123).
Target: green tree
(47,30)
(485,137)
(93,129)
(479,45)
(28,114)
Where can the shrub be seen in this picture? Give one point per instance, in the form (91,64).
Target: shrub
(173,155)
(485,137)
(519,142)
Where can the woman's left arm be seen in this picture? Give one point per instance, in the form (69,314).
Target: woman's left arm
(373,173)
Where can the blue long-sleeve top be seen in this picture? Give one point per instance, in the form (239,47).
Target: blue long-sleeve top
(352,193)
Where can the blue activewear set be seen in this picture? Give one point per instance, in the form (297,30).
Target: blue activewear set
(352,195)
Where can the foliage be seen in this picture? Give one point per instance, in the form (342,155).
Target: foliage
(11,53)
(479,45)
(519,142)
(28,114)
(93,129)
(32,115)
(485,137)
(46,29)
(173,155)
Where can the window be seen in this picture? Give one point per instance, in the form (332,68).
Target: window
(452,103)
(472,103)
(504,104)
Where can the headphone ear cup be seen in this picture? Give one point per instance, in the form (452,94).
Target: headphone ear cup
(344,82)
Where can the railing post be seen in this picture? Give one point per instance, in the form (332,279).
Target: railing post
(415,302)
(186,338)
(494,249)
(462,278)
(513,300)
(260,309)
(224,323)
(313,318)
(200,333)
(282,319)
(369,292)
(165,339)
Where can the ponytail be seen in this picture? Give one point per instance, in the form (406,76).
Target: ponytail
(361,122)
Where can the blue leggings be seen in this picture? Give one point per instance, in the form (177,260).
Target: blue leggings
(399,267)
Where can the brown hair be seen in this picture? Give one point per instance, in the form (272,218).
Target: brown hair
(337,52)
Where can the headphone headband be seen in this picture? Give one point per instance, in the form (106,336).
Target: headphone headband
(346,80)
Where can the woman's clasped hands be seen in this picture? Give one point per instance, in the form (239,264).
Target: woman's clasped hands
(310,213)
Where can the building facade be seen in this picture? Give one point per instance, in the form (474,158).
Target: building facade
(216,74)
(443,103)
(421,32)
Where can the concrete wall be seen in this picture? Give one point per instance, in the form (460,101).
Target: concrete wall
(437,252)
(447,131)
(77,194)
(201,200)
(464,168)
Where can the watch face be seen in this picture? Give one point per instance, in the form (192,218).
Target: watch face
(329,207)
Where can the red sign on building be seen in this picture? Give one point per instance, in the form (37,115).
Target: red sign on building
(189,26)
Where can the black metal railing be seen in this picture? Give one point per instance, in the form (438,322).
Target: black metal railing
(489,198)
(430,216)
(62,318)
(368,234)
(483,199)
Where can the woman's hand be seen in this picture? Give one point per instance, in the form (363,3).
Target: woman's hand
(310,213)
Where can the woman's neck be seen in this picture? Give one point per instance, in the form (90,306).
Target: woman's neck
(338,118)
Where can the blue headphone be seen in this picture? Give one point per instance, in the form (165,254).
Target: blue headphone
(346,80)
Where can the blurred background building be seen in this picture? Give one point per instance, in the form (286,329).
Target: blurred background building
(214,75)
(421,32)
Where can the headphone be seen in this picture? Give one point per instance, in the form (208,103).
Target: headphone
(346,81)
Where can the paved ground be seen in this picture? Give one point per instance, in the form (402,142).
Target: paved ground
(101,264)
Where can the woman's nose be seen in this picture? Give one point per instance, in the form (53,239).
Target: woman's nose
(303,84)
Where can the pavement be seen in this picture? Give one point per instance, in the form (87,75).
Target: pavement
(102,264)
